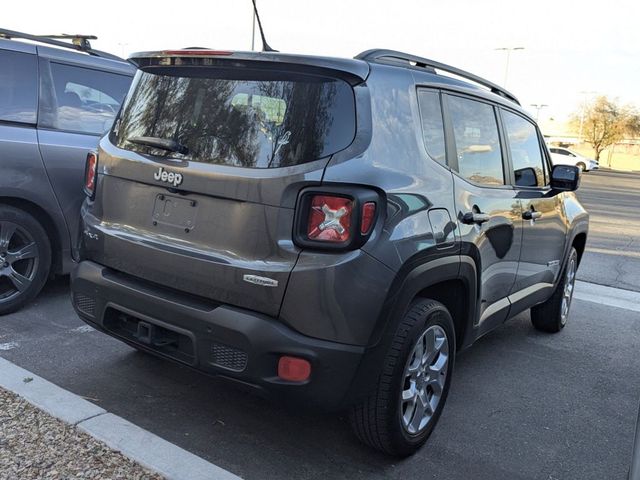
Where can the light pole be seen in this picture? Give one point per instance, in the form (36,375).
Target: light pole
(122,46)
(538,107)
(506,68)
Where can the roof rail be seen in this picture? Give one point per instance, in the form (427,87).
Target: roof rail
(78,42)
(392,57)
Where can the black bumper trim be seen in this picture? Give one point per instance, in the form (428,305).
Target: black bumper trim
(261,337)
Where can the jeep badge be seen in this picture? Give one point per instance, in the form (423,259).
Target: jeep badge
(168,177)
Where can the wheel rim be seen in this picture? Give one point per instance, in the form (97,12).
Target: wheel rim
(425,376)
(18,260)
(567,294)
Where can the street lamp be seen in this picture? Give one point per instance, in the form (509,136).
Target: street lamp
(538,107)
(506,68)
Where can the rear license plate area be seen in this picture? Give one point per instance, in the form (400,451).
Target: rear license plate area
(174,211)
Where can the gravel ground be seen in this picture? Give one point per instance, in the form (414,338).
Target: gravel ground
(34,445)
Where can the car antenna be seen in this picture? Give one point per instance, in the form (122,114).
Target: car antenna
(265,45)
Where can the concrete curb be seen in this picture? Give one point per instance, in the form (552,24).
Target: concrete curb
(142,446)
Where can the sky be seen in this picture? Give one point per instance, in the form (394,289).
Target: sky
(573,51)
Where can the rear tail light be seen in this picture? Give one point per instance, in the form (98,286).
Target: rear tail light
(368,215)
(330,218)
(198,52)
(335,217)
(91,174)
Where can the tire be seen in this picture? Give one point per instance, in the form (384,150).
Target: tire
(552,315)
(581,166)
(385,421)
(25,258)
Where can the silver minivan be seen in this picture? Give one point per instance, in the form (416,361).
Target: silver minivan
(56,100)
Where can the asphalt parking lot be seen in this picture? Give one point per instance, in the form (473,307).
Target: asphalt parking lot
(523,405)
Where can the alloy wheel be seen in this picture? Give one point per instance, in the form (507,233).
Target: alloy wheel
(567,294)
(424,376)
(18,260)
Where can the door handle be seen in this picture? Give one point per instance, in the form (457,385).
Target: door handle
(470,218)
(531,215)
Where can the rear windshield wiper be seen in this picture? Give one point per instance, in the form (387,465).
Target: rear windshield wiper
(161,143)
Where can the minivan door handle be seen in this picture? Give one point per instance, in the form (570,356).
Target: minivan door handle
(531,215)
(470,218)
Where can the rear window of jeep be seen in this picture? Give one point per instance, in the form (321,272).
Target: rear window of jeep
(248,119)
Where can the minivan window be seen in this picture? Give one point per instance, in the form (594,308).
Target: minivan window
(255,119)
(477,141)
(85,100)
(432,125)
(18,87)
(524,146)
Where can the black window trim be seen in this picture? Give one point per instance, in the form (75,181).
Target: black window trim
(541,146)
(450,142)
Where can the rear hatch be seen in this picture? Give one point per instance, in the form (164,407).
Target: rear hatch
(198,179)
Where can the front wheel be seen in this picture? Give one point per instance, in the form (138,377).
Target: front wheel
(581,166)
(25,258)
(406,404)
(552,315)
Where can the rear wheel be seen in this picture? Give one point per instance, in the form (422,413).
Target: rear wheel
(552,315)
(25,258)
(404,408)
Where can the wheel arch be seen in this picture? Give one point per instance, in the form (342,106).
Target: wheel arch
(579,243)
(451,280)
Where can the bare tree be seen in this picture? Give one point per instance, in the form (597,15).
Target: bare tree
(605,123)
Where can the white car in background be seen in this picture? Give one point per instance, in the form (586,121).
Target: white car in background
(564,156)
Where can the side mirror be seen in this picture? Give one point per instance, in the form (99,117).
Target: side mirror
(565,178)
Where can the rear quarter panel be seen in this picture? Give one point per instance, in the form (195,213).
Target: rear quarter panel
(414,228)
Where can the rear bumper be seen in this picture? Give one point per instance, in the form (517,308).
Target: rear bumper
(225,341)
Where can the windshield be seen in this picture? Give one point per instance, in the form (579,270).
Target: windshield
(246,119)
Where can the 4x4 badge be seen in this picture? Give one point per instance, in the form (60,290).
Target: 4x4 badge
(168,177)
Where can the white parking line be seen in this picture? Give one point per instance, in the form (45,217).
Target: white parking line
(83,329)
(8,345)
(612,297)
(142,446)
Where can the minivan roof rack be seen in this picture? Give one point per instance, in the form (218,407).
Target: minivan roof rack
(392,57)
(78,42)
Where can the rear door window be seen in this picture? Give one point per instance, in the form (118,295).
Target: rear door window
(477,140)
(524,147)
(84,100)
(255,119)
(432,124)
(18,87)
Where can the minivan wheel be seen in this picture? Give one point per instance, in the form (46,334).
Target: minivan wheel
(552,315)
(406,404)
(25,258)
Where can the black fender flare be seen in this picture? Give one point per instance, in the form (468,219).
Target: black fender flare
(416,275)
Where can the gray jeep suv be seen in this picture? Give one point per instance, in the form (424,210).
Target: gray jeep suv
(326,231)
(56,100)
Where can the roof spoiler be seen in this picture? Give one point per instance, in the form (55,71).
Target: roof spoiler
(353,71)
